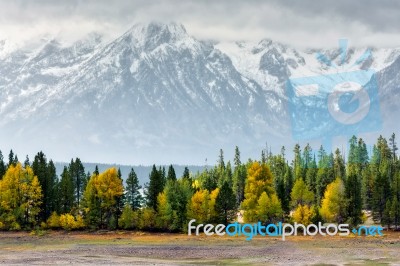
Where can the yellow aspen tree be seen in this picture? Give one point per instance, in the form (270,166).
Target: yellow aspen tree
(259,180)
(333,203)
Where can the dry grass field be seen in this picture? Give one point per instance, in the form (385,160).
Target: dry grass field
(137,248)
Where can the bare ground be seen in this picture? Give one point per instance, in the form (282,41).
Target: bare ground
(136,248)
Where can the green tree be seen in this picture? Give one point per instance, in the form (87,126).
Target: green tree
(3,167)
(46,173)
(155,187)
(239,177)
(300,194)
(225,204)
(77,172)
(354,201)
(171,173)
(186,173)
(133,196)
(66,192)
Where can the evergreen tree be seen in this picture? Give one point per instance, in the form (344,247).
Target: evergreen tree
(288,187)
(66,192)
(297,162)
(52,184)
(338,165)
(119,174)
(225,204)
(228,174)
(3,167)
(239,177)
(120,202)
(12,159)
(354,201)
(171,173)
(263,157)
(367,188)
(380,196)
(155,187)
(77,172)
(96,170)
(133,196)
(186,173)
(46,173)
(27,163)
(311,177)
(325,173)
(221,163)
(396,201)
(393,146)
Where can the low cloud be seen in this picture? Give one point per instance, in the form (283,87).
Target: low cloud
(299,23)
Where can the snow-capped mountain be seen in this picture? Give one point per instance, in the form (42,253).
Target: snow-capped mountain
(155,94)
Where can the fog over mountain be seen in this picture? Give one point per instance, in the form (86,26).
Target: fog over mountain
(158,95)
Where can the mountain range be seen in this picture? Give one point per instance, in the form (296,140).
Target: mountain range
(156,94)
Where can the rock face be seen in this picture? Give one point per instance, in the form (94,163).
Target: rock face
(156,94)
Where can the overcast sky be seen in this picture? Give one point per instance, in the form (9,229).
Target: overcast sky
(304,23)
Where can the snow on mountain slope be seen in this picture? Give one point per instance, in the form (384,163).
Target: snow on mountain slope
(271,64)
(157,94)
(153,88)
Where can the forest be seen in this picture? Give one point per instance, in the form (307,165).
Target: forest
(316,186)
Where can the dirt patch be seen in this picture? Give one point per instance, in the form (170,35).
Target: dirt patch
(137,248)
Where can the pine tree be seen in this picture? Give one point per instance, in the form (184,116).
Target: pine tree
(171,173)
(263,157)
(27,163)
(3,167)
(225,204)
(380,195)
(155,187)
(297,162)
(354,201)
(11,158)
(338,165)
(186,173)
(367,188)
(239,178)
(77,172)
(396,201)
(133,196)
(120,202)
(96,170)
(52,184)
(66,192)
(46,173)
(228,174)
(393,146)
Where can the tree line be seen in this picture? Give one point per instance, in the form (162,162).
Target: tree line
(316,186)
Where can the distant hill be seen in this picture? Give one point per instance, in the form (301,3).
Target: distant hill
(141,170)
